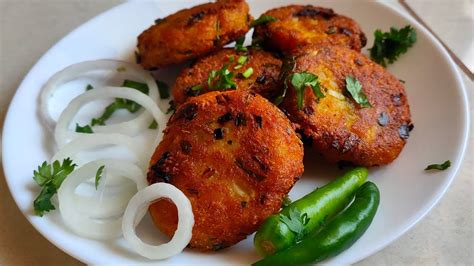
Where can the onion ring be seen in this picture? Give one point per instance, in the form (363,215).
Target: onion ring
(71,72)
(84,225)
(63,134)
(134,213)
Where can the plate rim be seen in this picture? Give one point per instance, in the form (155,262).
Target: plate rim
(393,10)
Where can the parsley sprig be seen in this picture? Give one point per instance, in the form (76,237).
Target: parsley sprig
(263,19)
(221,79)
(120,104)
(296,222)
(98,175)
(442,166)
(354,87)
(388,46)
(50,177)
(300,81)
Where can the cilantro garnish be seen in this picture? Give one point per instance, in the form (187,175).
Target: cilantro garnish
(301,81)
(355,89)
(247,73)
(242,59)
(118,104)
(221,79)
(442,166)
(89,87)
(239,45)
(153,125)
(264,19)
(388,46)
(98,176)
(84,129)
(49,178)
(296,222)
(163,89)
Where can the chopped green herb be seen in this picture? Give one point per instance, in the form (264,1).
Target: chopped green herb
(89,87)
(84,129)
(388,46)
(442,166)
(402,81)
(264,19)
(171,108)
(49,178)
(153,125)
(119,103)
(163,89)
(301,81)
(242,59)
(197,87)
(248,73)
(239,45)
(231,58)
(296,222)
(98,176)
(121,69)
(355,89)
(221,79)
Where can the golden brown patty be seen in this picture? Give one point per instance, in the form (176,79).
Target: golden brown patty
(340,129)
(193,32)
(235,156)
(264,80)
(298,26)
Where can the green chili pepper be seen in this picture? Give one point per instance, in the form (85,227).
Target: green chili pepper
(283,230)
(337,236)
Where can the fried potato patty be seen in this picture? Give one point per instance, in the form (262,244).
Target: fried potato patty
(263,80)
(340,129)
(235,156)
(193,32)
(298,26)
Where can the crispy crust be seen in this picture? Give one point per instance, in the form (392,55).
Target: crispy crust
(339,128)
(263,81)
(235,156)
(193,32)
(299,26)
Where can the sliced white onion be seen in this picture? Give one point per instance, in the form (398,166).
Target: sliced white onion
(91,141)
(85,225)
(134,213)
(73,71)
(63,134)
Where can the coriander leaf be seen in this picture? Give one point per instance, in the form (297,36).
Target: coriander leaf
(50,178)
(98,176)
(153,125)
(295,222)
(221,79)
(248,73)
(43,202)
(89,87)
(171,108)
(388,46)
(355,89)
(239,45)
(442,166)
(121,69)
(197,88)
(163,89)
(242,59)
(300,81)
(84,129)
(264,19)
(132,106)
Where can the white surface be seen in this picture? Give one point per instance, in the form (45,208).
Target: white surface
(407,192)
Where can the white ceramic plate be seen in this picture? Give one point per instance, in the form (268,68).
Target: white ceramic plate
(435,93)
